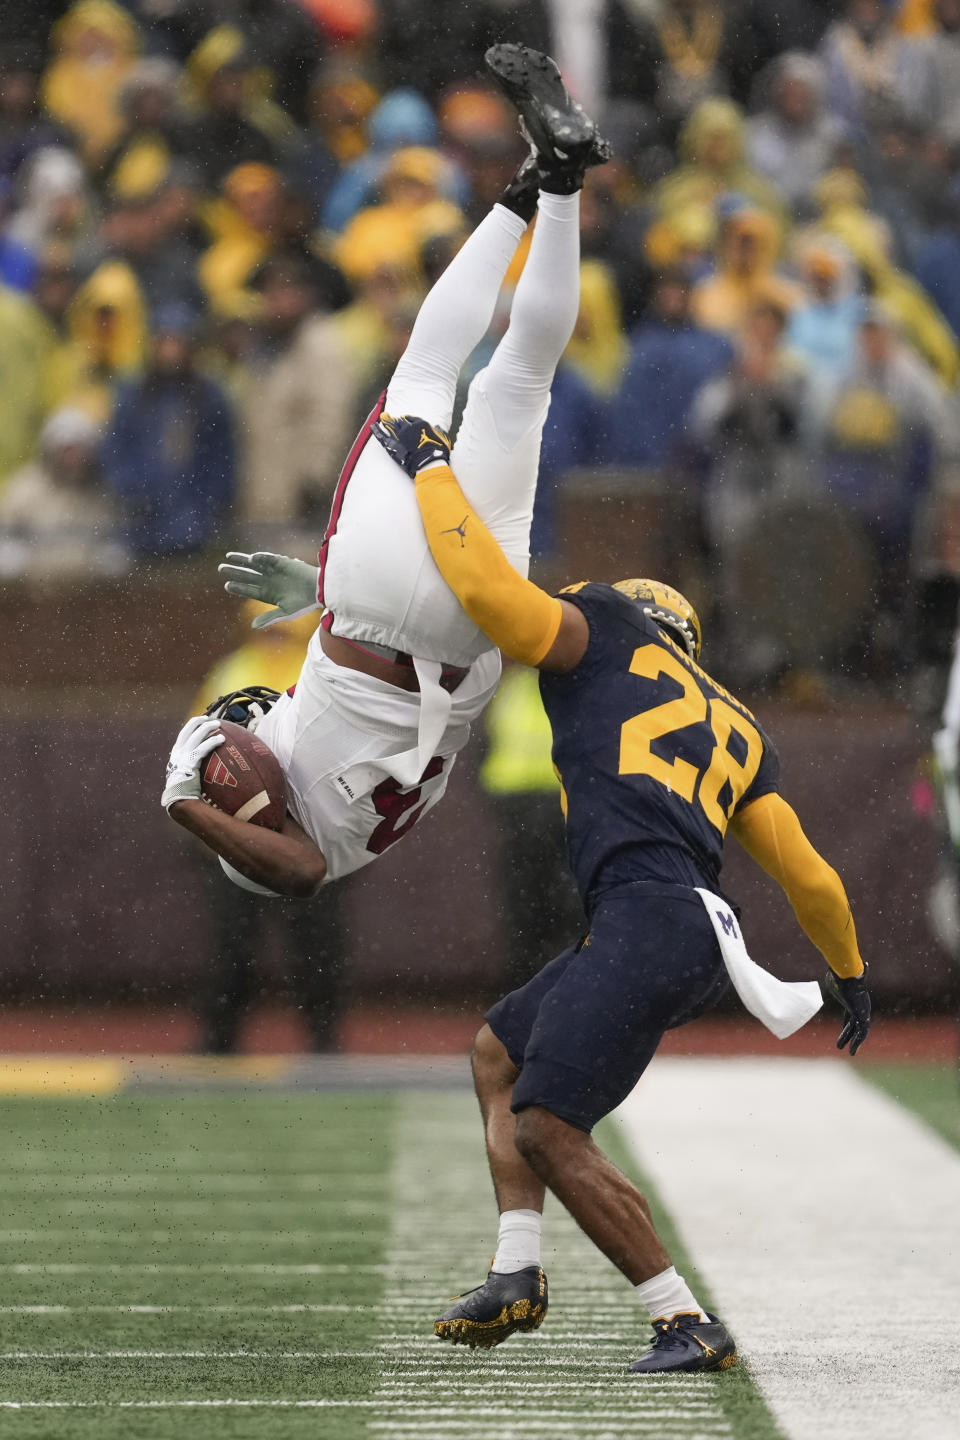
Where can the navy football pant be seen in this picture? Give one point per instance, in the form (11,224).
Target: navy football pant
(584,1029)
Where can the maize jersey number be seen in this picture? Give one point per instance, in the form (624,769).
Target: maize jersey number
(691,708)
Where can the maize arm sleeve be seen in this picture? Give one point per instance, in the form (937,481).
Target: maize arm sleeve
(518,616)
(771,834)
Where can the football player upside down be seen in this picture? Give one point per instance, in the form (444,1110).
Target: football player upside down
(397,671)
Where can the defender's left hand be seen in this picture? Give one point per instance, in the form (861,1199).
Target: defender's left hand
(412,442)
(853,996)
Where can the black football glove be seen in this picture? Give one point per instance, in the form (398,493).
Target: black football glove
(412,442)
(853,996)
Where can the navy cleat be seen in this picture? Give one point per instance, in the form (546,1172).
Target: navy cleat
(488,1315)
(685,1343)
(564,137)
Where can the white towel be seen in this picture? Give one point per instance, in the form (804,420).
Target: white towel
(783,1006)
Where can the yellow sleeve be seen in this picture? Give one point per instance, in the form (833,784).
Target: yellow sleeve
(518,616)
(770,832)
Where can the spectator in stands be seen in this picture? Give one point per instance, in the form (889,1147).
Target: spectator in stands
(25,343)
(539,905)
(479,133)
(246,225)
(942,53)
(342,99)
(233,122)
(907,178)
(18,265)
(938,264)
(746,273)
(402,118)
(823,324)
(297,417)
(612,220)
(95,49)
(152,135)
(312,936)
(598,348)
(882,435)
(671,359)
(24,127)
(54,206)
(169,453)
(749,420)
(65,363)
(794,139)
(413,210)
(57,521)
(150,235)
(712,149)
(285,43)
(841,196)
(108,325)
(871,68)
(675,55)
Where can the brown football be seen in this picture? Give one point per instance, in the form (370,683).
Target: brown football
(243,777)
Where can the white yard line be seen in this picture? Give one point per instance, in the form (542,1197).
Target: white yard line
(568,1379)
(188,1309)
(58,1183)
(103,1236)
(93,1267)
(824,1218)
(334,1355)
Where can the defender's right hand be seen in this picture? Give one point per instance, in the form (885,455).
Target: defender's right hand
(412,442)
(853,996)
(289,585)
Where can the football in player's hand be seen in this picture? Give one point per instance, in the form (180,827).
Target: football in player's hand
(243,777)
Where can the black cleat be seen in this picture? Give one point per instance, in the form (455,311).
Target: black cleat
(521,194)
(502,1304)
(687,1343)
(563,135)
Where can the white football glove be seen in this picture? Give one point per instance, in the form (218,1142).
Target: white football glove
(290,585)
(192,746)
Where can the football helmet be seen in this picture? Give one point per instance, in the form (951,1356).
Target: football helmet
(242,706)
(671,611)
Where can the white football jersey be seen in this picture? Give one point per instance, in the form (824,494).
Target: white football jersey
(352,749)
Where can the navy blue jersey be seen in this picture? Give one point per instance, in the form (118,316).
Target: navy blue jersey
(653,755)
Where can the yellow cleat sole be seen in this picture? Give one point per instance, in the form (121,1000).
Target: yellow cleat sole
(484,1334)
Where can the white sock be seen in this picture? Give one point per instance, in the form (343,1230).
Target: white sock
(564,207)
(518,1243)
(668,1294)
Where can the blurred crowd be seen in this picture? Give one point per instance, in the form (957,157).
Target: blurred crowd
(218,217)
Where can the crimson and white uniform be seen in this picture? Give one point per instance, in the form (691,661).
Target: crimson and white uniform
(365,759)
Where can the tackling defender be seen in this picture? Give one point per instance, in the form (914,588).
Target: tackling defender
(657,761)
(397,671)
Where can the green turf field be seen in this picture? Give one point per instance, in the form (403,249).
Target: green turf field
(269,1265)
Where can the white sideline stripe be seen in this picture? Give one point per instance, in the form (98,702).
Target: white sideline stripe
(254,805)
(823,1217)
(573,1370)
